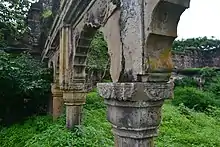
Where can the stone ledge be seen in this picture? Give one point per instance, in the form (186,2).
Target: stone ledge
(135,91)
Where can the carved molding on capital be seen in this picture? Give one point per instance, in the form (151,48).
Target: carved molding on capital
(74,98)
(56,91)
(145,91)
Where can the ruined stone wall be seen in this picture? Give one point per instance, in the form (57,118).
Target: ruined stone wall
(39,25)
(195,58)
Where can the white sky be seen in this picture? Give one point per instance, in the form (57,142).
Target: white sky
(201,19)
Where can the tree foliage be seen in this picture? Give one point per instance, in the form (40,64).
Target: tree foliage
(202,43)
(22,78)
(12,20)
(98,60)
(98,55)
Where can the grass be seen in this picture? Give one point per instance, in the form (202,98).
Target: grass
(180,127)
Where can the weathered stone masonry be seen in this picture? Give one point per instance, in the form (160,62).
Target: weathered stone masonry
(139,34)
(195,58)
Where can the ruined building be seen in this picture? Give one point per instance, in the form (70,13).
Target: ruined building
(139,34)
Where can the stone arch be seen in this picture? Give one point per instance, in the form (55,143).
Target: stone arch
(82,45)
(161,33)
(51,65)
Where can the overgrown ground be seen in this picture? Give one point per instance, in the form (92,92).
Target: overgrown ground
(181,127)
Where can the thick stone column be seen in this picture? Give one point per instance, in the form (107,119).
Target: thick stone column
(139,36)
(74,102)
(134,110)
(57,101)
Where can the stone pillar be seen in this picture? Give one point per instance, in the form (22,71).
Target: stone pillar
(139,36)
(134,110)
(71,77)
(74,101)
(57,101)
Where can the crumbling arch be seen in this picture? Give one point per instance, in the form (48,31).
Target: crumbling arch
(162,29)
(53,63)
(82,45)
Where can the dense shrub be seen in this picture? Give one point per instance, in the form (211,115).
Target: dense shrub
(212,81)
(193,129)
(186,81)
(213,86)
(94,101)
(42,132)
(24,86)
(194,98)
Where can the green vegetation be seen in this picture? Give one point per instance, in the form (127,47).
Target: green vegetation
(24,87)
(180,127)
(195,99)
(12,20)
(188,92)
(42,132)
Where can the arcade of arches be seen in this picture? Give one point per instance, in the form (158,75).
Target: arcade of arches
(139,34)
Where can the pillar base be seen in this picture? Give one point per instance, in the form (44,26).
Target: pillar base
(134,110)
(129,142)
(57,101)
(74,102)
(58,106)
(73,115)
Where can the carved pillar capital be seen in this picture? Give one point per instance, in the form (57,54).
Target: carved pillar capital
(75,98)
(74,101)
(134,110)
